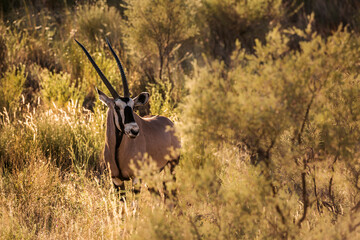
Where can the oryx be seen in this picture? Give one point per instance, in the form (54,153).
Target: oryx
(152,135)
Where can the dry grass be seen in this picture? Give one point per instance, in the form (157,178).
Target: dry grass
(270,140)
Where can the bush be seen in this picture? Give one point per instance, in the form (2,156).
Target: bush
(165,26)
(58,88)
(11,87)
(69,138)
(161,102)
(97,21)
(328,14)
(286,108)
(30,39)
(222,23)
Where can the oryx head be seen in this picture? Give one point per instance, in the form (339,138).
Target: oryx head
(121,106)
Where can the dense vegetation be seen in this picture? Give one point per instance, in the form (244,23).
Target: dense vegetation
(265,95)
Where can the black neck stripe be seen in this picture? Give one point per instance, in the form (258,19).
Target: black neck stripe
(119,136)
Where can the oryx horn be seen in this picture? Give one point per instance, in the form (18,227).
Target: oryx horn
(123,77)
(102,76)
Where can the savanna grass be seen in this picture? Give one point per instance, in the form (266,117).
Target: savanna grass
(69,137)
(269,132)
(50,183)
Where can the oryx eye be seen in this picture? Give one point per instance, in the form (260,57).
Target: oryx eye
(116,108)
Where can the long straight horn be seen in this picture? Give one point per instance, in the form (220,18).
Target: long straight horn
(123,77)
(102,76)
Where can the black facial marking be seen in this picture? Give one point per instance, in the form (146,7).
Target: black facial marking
(119,136)
(129,117)
(125,99)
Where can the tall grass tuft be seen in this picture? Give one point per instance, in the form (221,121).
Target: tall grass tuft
(70,138)
(40,201)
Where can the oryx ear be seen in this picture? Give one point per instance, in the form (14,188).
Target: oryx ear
(105,99)
(141,99)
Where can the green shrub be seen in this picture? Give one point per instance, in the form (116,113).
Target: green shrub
(329,14)
(97,21)
(222,23)
(11,87)
(164,26)
(161,102)
(58,88)
(285,108)
(30,39)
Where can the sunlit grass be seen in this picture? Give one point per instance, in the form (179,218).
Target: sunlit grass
(264,97)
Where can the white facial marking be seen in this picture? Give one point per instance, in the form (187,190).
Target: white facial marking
(130,103)
(117,121)
(121,104)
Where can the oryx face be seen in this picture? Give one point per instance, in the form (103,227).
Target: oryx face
(121,106)
(124,114)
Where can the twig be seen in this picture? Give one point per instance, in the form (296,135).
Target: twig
(330,191)
(353,228)
(315,192)
(304,194)
(283,219)
(195,228)
(305,118)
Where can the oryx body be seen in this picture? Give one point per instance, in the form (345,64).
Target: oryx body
(156,139)
(129,137)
